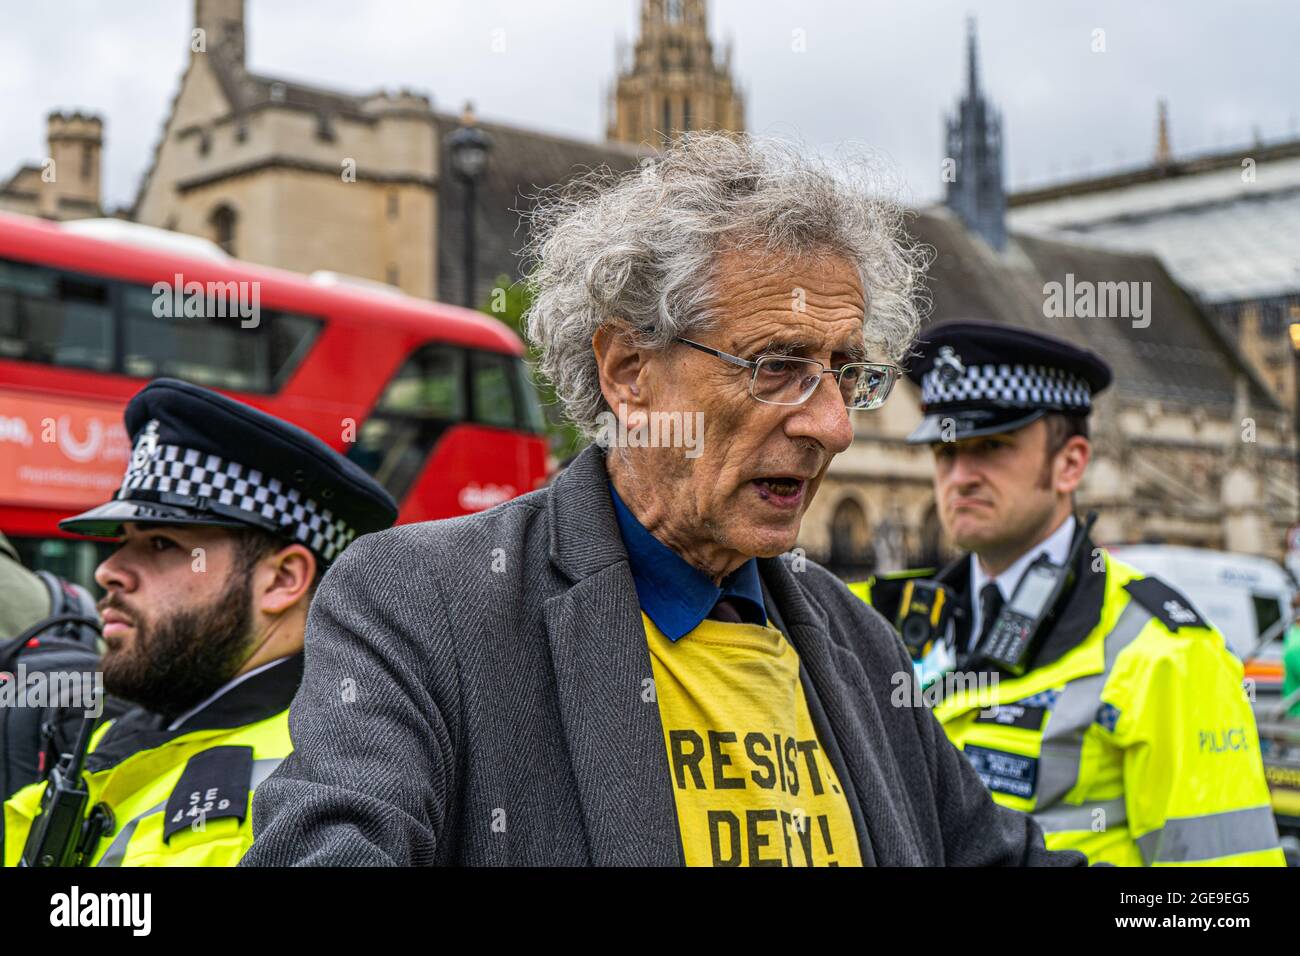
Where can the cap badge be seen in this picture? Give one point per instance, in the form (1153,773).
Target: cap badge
(948,365)
(146,446)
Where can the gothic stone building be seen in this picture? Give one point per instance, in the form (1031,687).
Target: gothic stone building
(308,178)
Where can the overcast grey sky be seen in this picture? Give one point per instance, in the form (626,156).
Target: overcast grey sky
(880,72)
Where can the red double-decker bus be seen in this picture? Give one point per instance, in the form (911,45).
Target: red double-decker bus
(435,401)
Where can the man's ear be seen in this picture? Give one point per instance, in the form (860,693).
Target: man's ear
(283,579)
(1072,460)
(621,367)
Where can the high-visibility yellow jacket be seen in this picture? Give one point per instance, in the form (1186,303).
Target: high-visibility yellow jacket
(179,797)
(1133,741)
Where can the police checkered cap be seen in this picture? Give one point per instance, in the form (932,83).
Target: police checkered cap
(203,458)
(190,473)
(1007,385)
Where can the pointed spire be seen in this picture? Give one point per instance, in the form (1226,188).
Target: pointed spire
(1163,153)
(974,133)
(972,61)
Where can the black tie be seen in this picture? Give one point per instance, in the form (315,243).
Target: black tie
(990,605)
(724,610)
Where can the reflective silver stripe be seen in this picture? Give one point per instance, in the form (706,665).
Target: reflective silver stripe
(1188,839)
(1065,816)
(1076,709)
(117,849)
(263,769)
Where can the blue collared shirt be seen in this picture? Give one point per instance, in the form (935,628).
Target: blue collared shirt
(675,595)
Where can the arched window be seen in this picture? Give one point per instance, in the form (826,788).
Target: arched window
(674,11)
(850,538)
(223,222)
(932,553)
(668,118)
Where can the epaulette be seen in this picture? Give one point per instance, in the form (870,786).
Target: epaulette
(1165,604)
(215,784)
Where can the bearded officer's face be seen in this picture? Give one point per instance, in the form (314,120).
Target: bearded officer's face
(999,495)
(178,615)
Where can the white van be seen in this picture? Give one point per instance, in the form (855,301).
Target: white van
(1241,594)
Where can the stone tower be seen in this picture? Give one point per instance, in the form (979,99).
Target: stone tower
(672,83)
(974,135)
(222,22)
(75,143)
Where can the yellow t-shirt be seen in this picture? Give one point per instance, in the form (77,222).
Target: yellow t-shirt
(752,783)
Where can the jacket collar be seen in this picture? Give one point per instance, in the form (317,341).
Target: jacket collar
(1082,610)
(584,532)
(266,693)
(1081,613)
(673,593)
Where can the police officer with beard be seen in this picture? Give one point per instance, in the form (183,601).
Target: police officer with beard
(228,518)
(1090,694)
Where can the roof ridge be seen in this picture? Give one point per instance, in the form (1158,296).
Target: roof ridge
(1191,165)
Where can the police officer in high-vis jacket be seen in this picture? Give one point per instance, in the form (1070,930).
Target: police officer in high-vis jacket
(1083,691)
(227,518)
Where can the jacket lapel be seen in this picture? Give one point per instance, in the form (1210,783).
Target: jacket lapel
(852,717)
(603,673)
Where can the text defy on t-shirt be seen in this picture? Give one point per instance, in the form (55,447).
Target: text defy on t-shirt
(752,783)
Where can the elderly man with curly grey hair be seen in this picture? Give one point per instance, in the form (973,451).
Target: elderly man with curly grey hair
(621,668)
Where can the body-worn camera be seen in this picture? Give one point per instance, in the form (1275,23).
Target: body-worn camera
(922,617)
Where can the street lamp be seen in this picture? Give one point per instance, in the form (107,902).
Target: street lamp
(469,147)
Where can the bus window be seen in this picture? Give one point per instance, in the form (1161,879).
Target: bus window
(425,398)
(289,339)
(217,352)
(53,318)
(491,389)
(68,319)
(532,418)
(429,385)
(503,394)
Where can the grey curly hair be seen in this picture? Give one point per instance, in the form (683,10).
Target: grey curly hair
(639,249)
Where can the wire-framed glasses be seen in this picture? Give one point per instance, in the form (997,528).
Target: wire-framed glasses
(789,380)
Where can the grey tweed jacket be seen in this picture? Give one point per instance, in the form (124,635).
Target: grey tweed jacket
(473,694)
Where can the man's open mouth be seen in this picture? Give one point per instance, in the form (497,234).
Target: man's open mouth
(784,487)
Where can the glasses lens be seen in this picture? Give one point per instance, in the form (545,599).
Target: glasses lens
(865,386)
(784,381)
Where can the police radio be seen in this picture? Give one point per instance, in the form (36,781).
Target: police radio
(1025,620)
(63,834)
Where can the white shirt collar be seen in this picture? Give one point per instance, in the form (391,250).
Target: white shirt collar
(1056,546)
(229,685)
